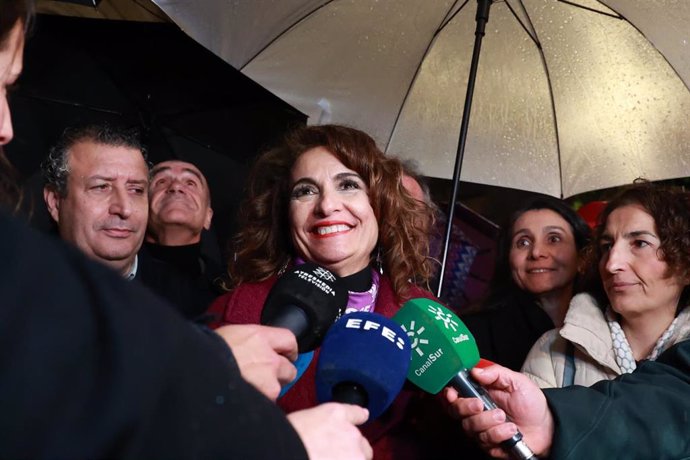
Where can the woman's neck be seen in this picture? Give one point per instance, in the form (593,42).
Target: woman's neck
(555,304)
(643,331)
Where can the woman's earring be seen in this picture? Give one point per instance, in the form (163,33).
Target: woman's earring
(379,260)
(283,268)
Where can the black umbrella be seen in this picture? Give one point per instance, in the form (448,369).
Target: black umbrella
(189,103)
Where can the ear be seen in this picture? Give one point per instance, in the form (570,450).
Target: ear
(52,200)
(209,216)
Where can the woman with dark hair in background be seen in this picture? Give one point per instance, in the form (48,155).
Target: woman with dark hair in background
(636,307)
(535,278)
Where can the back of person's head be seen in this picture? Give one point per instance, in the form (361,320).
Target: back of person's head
(503,285)
(56,166)
(11,12)
(263,245)
(670,208)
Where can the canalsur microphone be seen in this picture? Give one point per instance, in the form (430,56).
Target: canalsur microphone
(306,300)
(443,353)
(363,360)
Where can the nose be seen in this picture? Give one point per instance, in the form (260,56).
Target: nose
(6,132)
(328,203)
(537,250)
(120,203)
(614,260)
(175,186)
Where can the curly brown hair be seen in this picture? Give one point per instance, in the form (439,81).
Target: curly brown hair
(263,245)
(670,209)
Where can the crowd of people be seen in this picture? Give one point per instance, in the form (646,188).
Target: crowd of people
(172,362)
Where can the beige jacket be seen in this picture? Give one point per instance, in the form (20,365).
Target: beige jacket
(586,328)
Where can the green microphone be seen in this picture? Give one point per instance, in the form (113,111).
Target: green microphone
(443,353)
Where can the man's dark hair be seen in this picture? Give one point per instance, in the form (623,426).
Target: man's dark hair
(56,166)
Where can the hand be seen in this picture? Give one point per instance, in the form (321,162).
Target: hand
(519,398)
(329,431)
(264,355)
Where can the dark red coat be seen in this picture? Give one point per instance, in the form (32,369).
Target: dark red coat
(414,427)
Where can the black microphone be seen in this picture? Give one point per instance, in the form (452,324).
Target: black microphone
(306,300)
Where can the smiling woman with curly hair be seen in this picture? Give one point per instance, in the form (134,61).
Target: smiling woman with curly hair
(328,195)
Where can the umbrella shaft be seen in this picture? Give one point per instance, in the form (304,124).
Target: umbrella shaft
(482,19)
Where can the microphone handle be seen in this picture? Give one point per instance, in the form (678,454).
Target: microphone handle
(350,393)
(292,318)
(468,388)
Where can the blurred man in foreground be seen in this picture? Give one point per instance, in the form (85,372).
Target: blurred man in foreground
(98,369)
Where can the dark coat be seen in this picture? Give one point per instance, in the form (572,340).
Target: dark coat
(182,275)
(643,415)
(505,332)
(92,366)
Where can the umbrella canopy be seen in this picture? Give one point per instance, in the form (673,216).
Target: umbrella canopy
(571,96)
(189,104)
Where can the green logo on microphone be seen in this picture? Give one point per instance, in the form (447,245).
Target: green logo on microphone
(442,346)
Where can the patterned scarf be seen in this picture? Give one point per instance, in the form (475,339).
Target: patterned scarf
(621,347)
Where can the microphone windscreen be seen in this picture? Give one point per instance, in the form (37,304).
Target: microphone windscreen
(441,344)
(306,291)
(366,350)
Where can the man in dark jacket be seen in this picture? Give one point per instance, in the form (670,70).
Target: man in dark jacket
(173,261)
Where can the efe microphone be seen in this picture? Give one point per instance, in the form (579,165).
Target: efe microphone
(443,353)
(363,360)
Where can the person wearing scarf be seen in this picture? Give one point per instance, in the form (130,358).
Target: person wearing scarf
(636,308)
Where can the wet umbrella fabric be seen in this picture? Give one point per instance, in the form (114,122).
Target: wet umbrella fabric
(570,96)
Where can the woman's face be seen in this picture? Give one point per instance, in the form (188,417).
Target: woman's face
(635,278)
(543,254)
(331,220)
(10,68)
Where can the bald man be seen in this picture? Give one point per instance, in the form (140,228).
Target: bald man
(172,261)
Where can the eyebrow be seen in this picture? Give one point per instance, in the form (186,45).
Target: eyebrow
(111,179)
(630,235)
(339,176)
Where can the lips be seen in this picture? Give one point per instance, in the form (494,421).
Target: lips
(536,271)
(330,229)
(118,232)
(620,286)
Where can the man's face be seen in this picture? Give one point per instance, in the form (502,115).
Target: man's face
(178,196)
(105,209)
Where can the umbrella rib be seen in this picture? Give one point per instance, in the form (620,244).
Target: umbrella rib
(447,18)
(439,29)
(66,102)
(553,101)
(283,32)
(577,5)
(663,56)
(531,32)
